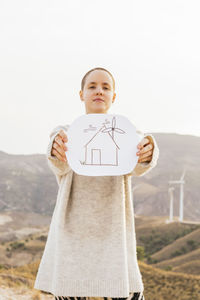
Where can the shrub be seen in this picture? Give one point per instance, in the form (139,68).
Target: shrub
(151,260)
(140,253)
(17,245)
(168,268)
(192,244)
(42,238)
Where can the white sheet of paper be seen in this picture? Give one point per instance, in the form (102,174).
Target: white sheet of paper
(102,145)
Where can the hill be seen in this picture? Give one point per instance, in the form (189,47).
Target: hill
(159,284)
(182,245)
(20,255)
(154,233)
(26,180)
(167,285)
(166,246)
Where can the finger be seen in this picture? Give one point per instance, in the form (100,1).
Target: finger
(146,148)
(148,153)
(146,159)
(59,141)
(58,155)
(59,149)
(143,142)
(63,135)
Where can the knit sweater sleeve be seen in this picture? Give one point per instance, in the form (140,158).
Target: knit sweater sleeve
(58,167)
(143,168)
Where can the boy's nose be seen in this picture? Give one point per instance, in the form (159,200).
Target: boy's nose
(99,91)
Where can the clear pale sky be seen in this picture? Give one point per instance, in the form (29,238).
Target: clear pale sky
(152,48)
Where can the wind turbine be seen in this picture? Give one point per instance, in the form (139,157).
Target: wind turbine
(112,129)
(170,191)
(181,182)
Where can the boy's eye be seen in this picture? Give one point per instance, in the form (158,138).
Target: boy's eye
(91,87)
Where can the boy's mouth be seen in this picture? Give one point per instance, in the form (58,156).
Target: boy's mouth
(98,100)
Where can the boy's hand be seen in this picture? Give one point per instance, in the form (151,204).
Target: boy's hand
(146,150)
(59,147)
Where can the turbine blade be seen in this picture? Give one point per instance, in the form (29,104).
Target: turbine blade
(107,129)
(183,174)
(119,130)
(113,122)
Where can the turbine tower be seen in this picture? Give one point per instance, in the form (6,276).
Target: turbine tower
(170,191)
(181,182)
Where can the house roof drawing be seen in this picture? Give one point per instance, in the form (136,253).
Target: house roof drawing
(103,127)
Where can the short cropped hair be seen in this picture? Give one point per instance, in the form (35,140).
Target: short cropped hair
(98,68)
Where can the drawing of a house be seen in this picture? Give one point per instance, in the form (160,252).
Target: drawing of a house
(101,150)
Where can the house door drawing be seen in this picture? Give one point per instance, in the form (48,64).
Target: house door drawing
(95,156)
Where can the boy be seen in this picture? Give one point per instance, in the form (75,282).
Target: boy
(91,245)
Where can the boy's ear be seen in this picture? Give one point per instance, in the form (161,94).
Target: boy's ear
(114,96)
(81,95)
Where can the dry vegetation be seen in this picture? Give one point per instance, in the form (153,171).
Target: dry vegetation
(159,284)
(165,276)
(17,283)
(182,245)
(181,260)
(169,246)
(167,285)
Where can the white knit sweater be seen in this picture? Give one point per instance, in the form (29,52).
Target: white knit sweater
(91,245)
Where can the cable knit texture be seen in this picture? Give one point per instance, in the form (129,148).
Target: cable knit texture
(91,245)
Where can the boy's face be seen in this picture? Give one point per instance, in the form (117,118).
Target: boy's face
(98,85)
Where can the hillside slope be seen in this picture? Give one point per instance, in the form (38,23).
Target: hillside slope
(27,181)
(166,285)
(158,284)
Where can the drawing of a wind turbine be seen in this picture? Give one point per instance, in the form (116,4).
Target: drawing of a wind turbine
(181,182)
(113,128)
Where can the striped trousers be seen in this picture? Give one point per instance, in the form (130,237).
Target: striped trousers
(132,296)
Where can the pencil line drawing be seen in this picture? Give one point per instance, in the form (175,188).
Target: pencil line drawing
(90,128)
(103,151)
